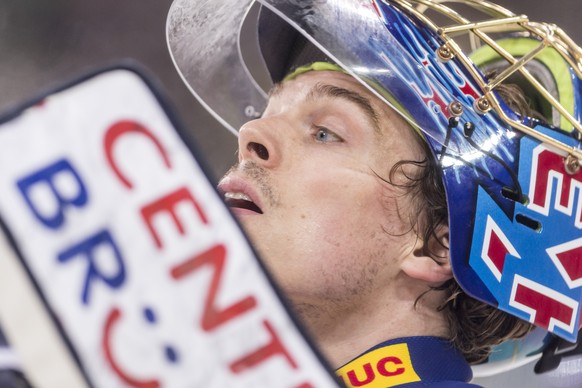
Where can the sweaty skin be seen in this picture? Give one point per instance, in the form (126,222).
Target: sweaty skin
(335,236)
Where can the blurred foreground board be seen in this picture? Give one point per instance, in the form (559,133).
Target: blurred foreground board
(119,263)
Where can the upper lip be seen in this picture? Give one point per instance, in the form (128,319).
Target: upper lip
(236,188)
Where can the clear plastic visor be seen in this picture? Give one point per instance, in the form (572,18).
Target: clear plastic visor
(214,45)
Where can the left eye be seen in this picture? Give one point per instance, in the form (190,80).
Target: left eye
(324,135)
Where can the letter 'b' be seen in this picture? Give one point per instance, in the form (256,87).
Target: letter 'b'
(47,176)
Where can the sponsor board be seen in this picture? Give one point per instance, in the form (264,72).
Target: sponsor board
(120,265)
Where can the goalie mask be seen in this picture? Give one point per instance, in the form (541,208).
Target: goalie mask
(513,183)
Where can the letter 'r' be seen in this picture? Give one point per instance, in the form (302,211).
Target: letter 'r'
(52,218)
(89,250)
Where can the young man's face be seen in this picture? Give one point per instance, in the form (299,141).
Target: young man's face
(329,229)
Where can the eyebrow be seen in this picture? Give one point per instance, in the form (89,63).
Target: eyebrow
(321,90)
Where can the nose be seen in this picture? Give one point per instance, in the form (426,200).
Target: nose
(257,142)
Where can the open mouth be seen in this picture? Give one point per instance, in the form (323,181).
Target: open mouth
(241,201)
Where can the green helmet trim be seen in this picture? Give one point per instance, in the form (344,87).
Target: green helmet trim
(315,66)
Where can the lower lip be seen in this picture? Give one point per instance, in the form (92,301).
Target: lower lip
(237,211)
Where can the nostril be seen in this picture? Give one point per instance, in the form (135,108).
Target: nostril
(259,149)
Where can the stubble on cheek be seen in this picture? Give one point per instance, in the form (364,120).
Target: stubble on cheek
(342,264)
(337,290)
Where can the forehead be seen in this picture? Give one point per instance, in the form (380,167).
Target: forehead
(333,85)
(391,132)
(317,86)
(305,82)
(328,84)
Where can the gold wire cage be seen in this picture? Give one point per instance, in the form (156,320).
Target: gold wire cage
(498,20)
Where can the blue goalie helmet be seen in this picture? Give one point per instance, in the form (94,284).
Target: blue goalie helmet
(513,182)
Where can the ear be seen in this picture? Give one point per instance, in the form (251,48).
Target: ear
(421,266)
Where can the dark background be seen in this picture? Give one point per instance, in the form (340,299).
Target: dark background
(46,42)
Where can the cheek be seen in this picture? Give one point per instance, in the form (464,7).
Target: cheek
(339,212)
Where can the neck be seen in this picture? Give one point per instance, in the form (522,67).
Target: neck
(344,333)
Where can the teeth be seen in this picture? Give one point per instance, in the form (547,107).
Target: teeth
(242,196)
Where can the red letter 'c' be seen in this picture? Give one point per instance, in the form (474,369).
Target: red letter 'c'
(381,366)
(121,128)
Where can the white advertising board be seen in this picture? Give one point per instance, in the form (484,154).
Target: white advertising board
(120,265)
